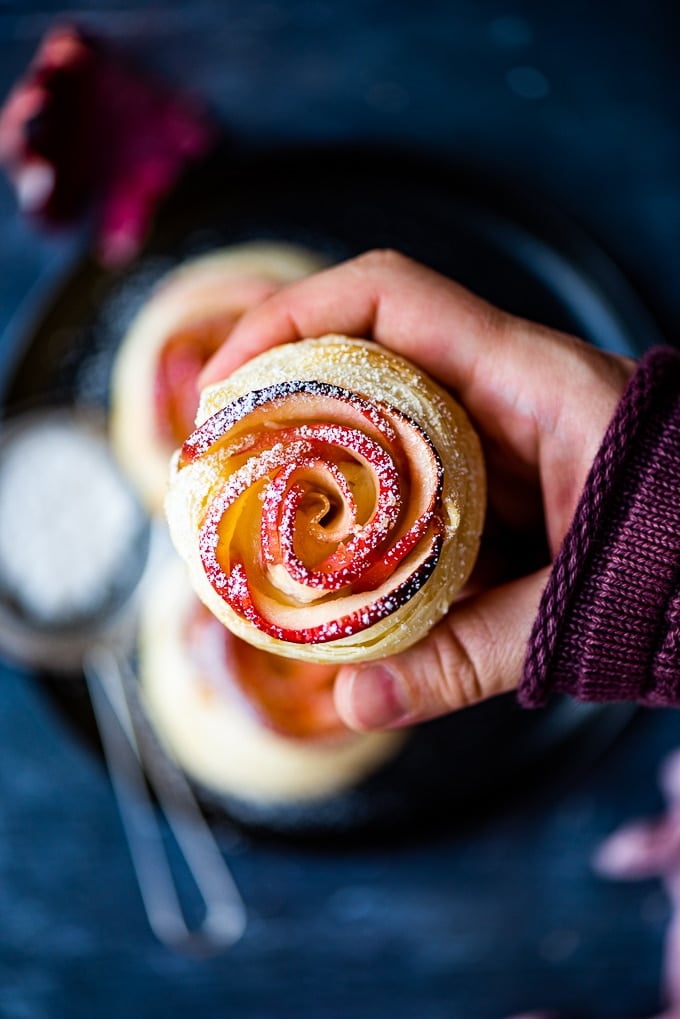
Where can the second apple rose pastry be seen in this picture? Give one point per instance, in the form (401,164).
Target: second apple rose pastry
(187,316)
(243,722)
(330,502)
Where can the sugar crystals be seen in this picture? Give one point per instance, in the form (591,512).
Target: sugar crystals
(67,521)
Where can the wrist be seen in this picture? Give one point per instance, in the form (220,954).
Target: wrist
(608,627)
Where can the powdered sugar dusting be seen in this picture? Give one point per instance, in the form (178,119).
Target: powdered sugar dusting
(67,521)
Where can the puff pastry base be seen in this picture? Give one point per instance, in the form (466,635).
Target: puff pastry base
(205,726)
(270,512)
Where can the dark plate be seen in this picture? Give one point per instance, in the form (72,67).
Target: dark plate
(510,247)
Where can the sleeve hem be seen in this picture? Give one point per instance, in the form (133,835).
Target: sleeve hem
(608,626)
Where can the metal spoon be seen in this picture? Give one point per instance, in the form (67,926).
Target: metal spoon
(99,642)
(224,918)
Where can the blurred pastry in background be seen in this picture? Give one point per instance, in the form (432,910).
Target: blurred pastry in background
(242,722)
(154,395)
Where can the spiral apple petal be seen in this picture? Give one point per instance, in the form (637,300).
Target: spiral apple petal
(316,515)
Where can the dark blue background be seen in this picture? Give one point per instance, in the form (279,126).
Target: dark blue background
(579,101)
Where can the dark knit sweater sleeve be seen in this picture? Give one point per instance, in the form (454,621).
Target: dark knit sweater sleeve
(608,626)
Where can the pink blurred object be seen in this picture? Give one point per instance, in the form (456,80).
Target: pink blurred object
(534,1015)
(642,850)
(82,131)
(673,1014)
(648,849)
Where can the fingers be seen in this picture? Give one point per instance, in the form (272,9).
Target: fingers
(382,295)
(475,653)
(541,401)
(508,373)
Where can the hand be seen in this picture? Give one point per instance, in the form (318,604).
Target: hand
(541,402)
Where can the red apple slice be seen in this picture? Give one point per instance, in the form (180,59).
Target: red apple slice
(286,403)
(179,363)
(285,541)
(292,698)
(327,621)
(185,350)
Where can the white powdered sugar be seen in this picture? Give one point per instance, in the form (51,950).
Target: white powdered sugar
(67,521)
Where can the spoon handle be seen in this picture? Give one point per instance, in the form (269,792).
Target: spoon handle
(224,918)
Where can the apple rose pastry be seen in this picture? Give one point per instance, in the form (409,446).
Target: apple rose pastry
(243,722)
(330,502)
(188,315)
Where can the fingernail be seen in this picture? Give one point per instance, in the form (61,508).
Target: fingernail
(378,698)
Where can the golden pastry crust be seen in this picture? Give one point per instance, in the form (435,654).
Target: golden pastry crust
(312,456)
(193,306)
(208,728)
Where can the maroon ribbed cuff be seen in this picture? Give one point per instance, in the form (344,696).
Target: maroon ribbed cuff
(608,626)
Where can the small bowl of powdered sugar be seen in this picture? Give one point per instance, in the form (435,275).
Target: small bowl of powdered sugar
(73,538)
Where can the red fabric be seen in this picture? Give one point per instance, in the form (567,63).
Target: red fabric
(83,131)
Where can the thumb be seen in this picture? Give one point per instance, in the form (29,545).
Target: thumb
(476,652)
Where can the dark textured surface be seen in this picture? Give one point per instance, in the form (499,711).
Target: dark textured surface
(501,914)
